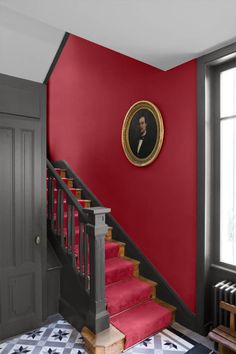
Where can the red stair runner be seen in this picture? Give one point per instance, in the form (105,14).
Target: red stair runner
(128,298)
(126,293)
(142,321)
(117,269)
(111,249)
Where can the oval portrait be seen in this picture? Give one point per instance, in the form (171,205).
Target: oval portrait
(142,133)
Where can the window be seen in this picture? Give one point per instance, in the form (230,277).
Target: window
(216,176)
(227,126)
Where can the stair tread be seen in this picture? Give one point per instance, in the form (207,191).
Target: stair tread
(126,293)
(156,318)
(111,249)
(70,188)
(117,269)
(76,247)
(79,200)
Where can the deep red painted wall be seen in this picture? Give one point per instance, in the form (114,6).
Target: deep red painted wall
(89,93)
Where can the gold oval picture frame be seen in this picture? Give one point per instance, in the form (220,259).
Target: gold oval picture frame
(142,133)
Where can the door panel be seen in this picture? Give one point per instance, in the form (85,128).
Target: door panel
(20,223)
(7,162)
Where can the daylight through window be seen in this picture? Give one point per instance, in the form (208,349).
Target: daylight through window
(228,166)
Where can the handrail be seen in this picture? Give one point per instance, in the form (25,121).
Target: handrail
(68,193)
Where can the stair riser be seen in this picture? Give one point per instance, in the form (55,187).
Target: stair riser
(77,193)
(83,203)
(119,274)
(60,172)
(67,181)
(109,234)
(122,251)
(65,221)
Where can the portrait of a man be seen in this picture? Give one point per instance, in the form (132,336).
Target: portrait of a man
(142,133)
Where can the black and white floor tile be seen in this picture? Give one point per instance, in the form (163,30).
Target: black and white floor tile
(60,337)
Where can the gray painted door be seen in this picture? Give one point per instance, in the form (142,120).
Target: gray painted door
(20,224)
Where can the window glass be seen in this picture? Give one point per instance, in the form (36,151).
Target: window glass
(228,191)
(227,93)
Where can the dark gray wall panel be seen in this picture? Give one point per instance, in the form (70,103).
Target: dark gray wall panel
(20,97)
(22,205)
(21,297)
(7,163)
(27,206)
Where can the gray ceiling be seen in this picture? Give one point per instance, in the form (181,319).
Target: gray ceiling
(162,33)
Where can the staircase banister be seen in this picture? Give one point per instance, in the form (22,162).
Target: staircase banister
(68,193)
(148,270)
(88,192)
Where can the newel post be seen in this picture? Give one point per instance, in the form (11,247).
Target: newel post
(96,229)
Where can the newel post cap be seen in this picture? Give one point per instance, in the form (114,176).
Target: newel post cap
(97,215)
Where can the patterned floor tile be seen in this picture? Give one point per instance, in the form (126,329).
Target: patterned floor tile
(62,322)
(35,334)
(2,346)
(22,349)
(79,339)
(51,350)
(173,337)
(78,351)
(147,343)
(60,335)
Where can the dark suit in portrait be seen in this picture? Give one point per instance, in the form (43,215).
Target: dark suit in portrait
(143,134)
(142,146)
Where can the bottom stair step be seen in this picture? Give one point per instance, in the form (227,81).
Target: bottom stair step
(142,321)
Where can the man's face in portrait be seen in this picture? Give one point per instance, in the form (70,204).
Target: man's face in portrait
(142,126)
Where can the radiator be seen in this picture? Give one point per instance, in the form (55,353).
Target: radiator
(223,291)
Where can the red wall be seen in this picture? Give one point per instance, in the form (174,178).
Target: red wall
(89,93)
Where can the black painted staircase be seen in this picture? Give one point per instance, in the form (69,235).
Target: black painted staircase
(99,284)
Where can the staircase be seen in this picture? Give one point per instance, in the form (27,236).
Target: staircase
(129,298)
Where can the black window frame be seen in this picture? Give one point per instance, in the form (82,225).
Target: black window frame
(215,121)
(209,268)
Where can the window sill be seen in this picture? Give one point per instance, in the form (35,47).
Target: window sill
(223,268)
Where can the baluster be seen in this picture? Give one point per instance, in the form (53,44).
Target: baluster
(50,198)
(58,214)
(61,220)
(68,228)
(85,252)
(98,317)
(73,236)
(81,247)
